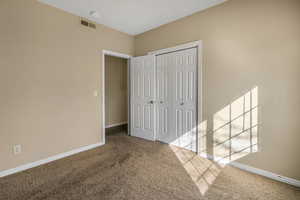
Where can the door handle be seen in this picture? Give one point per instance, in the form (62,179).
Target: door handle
(151,102)
(181,103)
(161,102)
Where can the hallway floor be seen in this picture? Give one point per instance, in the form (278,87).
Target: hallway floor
(134,169)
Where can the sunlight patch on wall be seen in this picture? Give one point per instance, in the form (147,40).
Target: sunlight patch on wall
(234,135)
(235,128)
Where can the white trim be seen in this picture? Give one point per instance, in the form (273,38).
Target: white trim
(260,172)
(128,97)
(47,160)
(267,174)
(199,46)
(176,48)
(107,53)
(114,125)
(116,54)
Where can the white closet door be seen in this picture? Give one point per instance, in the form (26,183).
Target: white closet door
(185,98)
(142,97)
(180,68)
(165,98)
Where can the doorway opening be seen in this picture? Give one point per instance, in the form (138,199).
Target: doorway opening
(116,93)
(161,96)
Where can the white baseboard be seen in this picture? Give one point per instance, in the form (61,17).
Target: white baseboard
(117,124)
(47,160)
(267,174)
(261,172)
(244,167)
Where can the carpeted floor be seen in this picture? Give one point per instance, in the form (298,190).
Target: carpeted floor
(134,169)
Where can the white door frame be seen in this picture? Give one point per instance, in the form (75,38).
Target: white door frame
(198,45)
(119,55)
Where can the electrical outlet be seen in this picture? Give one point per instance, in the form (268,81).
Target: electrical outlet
(17,149)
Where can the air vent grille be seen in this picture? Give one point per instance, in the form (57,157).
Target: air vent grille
(87,24)
(92,25)
(84,23)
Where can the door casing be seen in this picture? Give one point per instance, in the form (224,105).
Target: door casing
(119,55)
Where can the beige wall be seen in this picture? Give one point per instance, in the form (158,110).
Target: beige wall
(115,90)
(49,68)
(248,43)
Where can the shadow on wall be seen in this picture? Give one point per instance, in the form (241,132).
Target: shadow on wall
(234,135)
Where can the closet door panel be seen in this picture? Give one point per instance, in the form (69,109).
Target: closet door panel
(179,69)
(164,95)
(142,97)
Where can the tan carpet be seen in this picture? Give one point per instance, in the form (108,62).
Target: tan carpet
(131,168)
